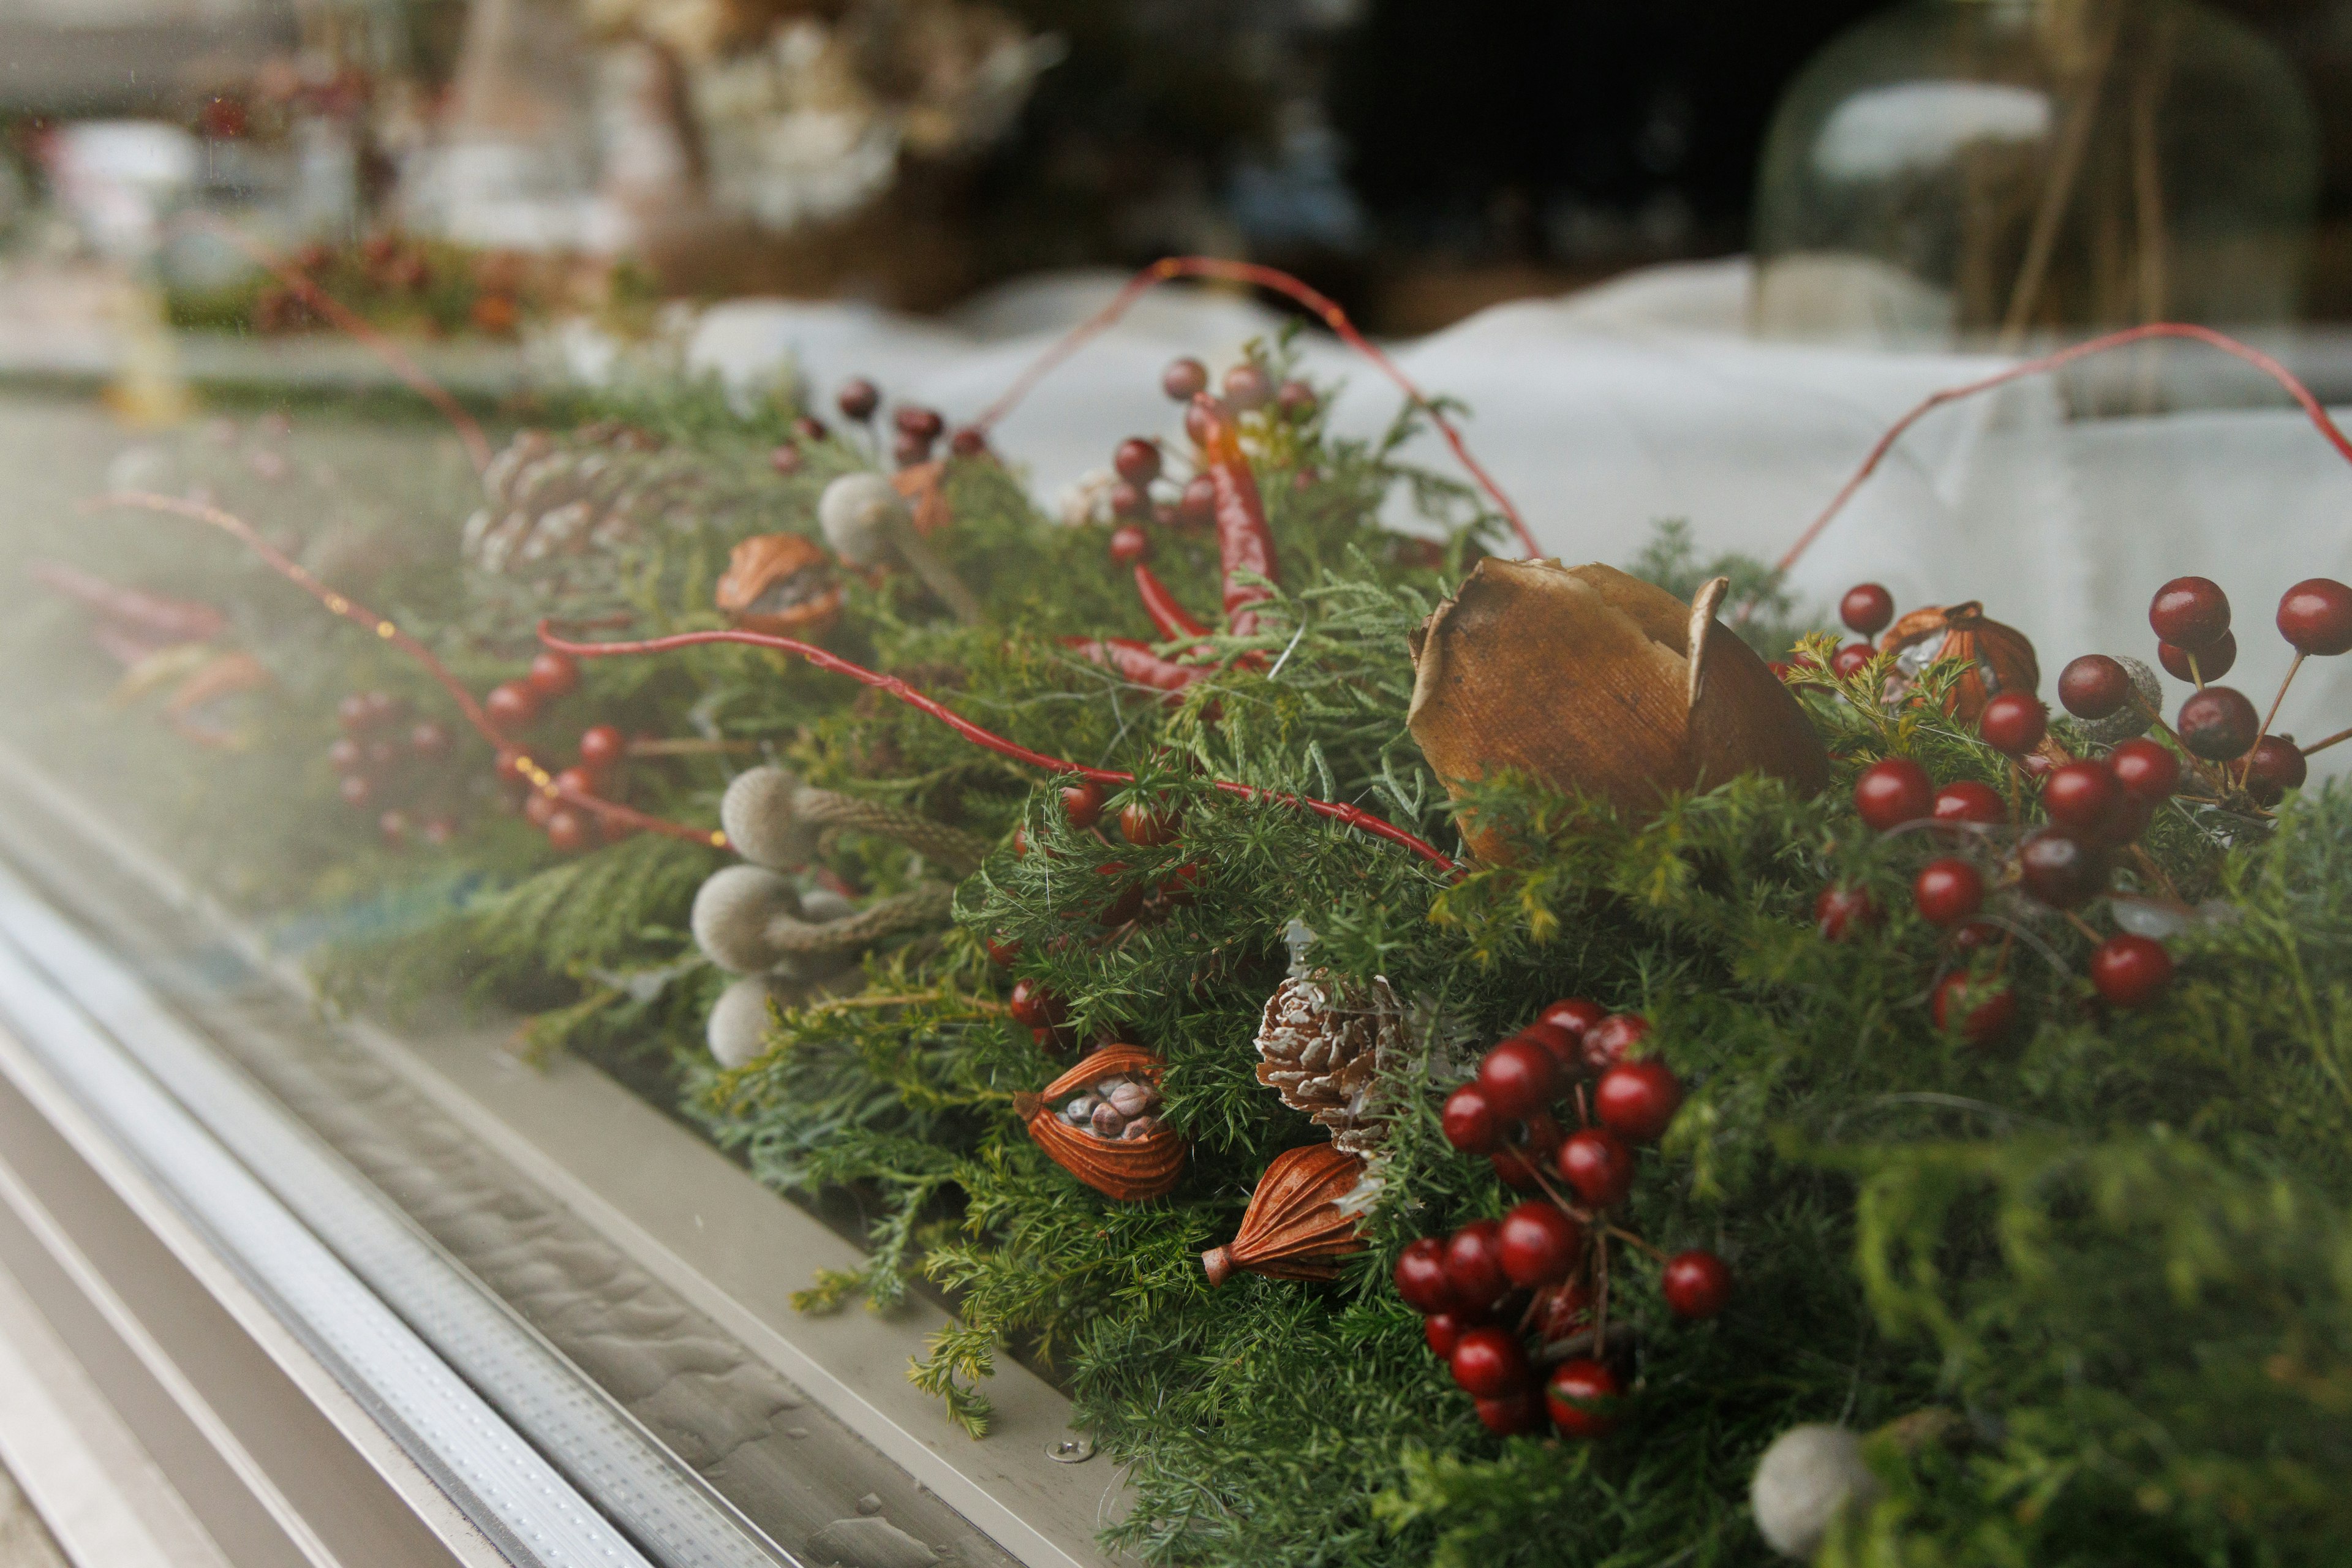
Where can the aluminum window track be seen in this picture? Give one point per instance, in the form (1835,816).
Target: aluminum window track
(536,1457)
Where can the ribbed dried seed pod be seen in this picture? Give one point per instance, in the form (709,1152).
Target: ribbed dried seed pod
(1999,657)
(1300,1220)
(1126,1165)
(1323,1044)
(780,584)
(1598,683)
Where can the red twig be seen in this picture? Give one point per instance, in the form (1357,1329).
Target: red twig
(1347,816)
(395,358)
(2310,404)
(1325,309)
(352,610)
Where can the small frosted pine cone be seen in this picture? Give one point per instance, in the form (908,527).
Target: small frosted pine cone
(1324,1042)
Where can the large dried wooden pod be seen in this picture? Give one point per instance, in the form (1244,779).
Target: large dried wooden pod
(780,584)
(1298,1226)
(1598,683)
(1999,657)
(1128,1169)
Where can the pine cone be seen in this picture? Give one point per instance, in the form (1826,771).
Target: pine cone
(1324,1043)
(553,501)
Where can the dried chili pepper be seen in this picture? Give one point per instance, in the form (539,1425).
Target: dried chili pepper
(1135,661)
(1244,544)
(1172,618)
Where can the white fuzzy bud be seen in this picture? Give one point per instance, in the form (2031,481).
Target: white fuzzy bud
(1806,1479)
(738,1028)
(864,517)
(759,822)
(732,911)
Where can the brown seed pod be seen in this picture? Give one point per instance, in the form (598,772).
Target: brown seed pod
(1300,1221)
(1593,681)
(1127,1169)
(780,584)
(926,495)
(1999,658)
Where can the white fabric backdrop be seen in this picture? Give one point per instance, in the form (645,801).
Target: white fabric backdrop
(1605,411)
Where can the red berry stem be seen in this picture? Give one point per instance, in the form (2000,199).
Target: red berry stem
(2311,407)
(1347,816)
(2248,767)
(1283,283)
(2332,739)
(1637,1244)
(1166,611)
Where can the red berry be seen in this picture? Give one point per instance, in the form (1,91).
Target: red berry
(1867,608)
(1470,1123)
(857,399)
(1519,1165)
(2130,970)
(1893,792)
(1851,659)
(1125,904)
(809,427)
(1130,500)
(2125,822)
(1144,828)
(1003,949)
(1583,1396)
(1129,545)
(1197,507)
(2080,794)
(1137,460)
(969,441)
(1473,1265)
(512,705)
(1082,802)
(393,828)
(573,783)
(1696,1284)
(1518,1079)
(1974,935)
(1420,1277)
(567,830)
(1947,891)
(1966,800)
(2315,616)
(1981,1010)
(2146,770)
(2211,662)
(1247,387)
(357,789)
(1566,1311)
(437,831)
(1443,1330)
(1489,1362)
(785,460)
(355,713)
(1512,1414)
(2191,612)
(1184,379)
(346,755)
(2218,723)
(539,805)
(1561,1044)
(1181,886)
(1573,1014)
(428,739)
(1538,1243)
(907,449)
(2013,722)
(1637,1100)
(914,419)
(1606,1042)
(1296,400)
(1598,1164)
(1036,1006)
(1841,913)
(2274,766)
(2062,868)
(602,747)
(2094,686)
(552,674)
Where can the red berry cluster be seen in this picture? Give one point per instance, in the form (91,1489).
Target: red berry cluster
(1132,899)
(1191,502)
(1543,1268)
(391,764)
(571,828)
(915,429)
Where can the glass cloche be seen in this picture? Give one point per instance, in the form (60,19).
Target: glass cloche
(1990,173)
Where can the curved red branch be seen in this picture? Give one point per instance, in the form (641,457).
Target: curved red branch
(1326,310)
(1347,816)
(2311,407)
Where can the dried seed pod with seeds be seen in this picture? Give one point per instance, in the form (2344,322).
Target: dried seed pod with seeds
(1999,657)
(1121,1157)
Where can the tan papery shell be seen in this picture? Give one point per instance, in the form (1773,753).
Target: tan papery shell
(1999,658)
(759,564)
(1596,682)
(1128,1169)
(1296,1228)
(922,485)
